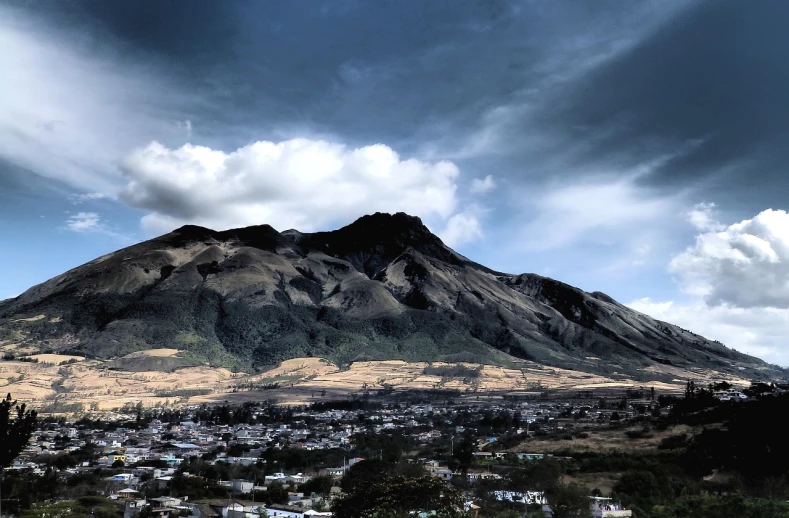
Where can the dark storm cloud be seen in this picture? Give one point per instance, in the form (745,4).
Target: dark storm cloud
(715,75)
(528,91)
(390,71)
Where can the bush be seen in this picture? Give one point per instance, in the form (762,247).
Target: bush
(638,434)
(674,442)
(453,371)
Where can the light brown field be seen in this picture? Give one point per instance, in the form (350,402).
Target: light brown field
(296,381)
(700,375)
(31,319)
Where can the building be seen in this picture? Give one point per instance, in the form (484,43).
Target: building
(731,394)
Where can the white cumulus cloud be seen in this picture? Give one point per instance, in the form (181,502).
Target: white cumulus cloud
(743,265)
(702,217)
(463,227)
(482,185)
(300,183)
(737,278)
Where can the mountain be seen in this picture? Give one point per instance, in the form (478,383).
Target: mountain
(382,287)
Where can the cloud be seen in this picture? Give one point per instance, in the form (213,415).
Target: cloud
(604,212)
(85,222)
(462,228)
(94,223)
(186,126)
(76,199)
(743,265)
(758,331)
(300,183)
(484,185)
(737,277)
(72,105)
(702,217)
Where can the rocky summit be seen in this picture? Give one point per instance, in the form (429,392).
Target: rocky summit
(383,287)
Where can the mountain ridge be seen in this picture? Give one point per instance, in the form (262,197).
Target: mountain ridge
(383,287)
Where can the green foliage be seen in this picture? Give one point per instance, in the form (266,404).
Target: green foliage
(363,473)
(463,454)
(454,371)
(177,393)
(569,501)
(674,442)
(643,489)
(388,446)
(540,475)
(17,424)
(82,507)
(321,485)
(196,488)
(400,496)
(711,506)
(59,406)
(750,443)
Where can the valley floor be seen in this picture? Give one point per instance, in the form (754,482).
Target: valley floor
(61,383)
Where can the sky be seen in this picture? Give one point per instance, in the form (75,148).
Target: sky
(637,148)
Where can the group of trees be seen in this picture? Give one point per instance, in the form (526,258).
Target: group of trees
(382,489)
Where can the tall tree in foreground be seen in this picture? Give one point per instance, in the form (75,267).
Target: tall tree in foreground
(17,424)
(569,501)
(400,497)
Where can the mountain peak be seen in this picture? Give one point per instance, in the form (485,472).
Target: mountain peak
(384,223)
(371,242)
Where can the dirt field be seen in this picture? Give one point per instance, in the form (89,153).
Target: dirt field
(296,381)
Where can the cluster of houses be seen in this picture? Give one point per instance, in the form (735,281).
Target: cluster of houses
(168,507)
(731,394)
(128,452)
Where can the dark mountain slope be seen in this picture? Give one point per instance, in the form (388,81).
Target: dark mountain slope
(383,287)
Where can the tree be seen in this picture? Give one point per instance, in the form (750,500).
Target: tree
(82,507)
(400,496)
(118,464)
(359,476)
(540,475)
(17,424)
(322,485)
(464,453)
(569,501)
(712,506)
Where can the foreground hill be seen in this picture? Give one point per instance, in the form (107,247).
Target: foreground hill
(381,288)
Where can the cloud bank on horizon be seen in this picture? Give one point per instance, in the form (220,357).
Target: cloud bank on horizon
(587,143)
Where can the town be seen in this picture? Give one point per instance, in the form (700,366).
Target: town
(261,459)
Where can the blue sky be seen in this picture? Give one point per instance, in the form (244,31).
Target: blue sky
(636,148)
